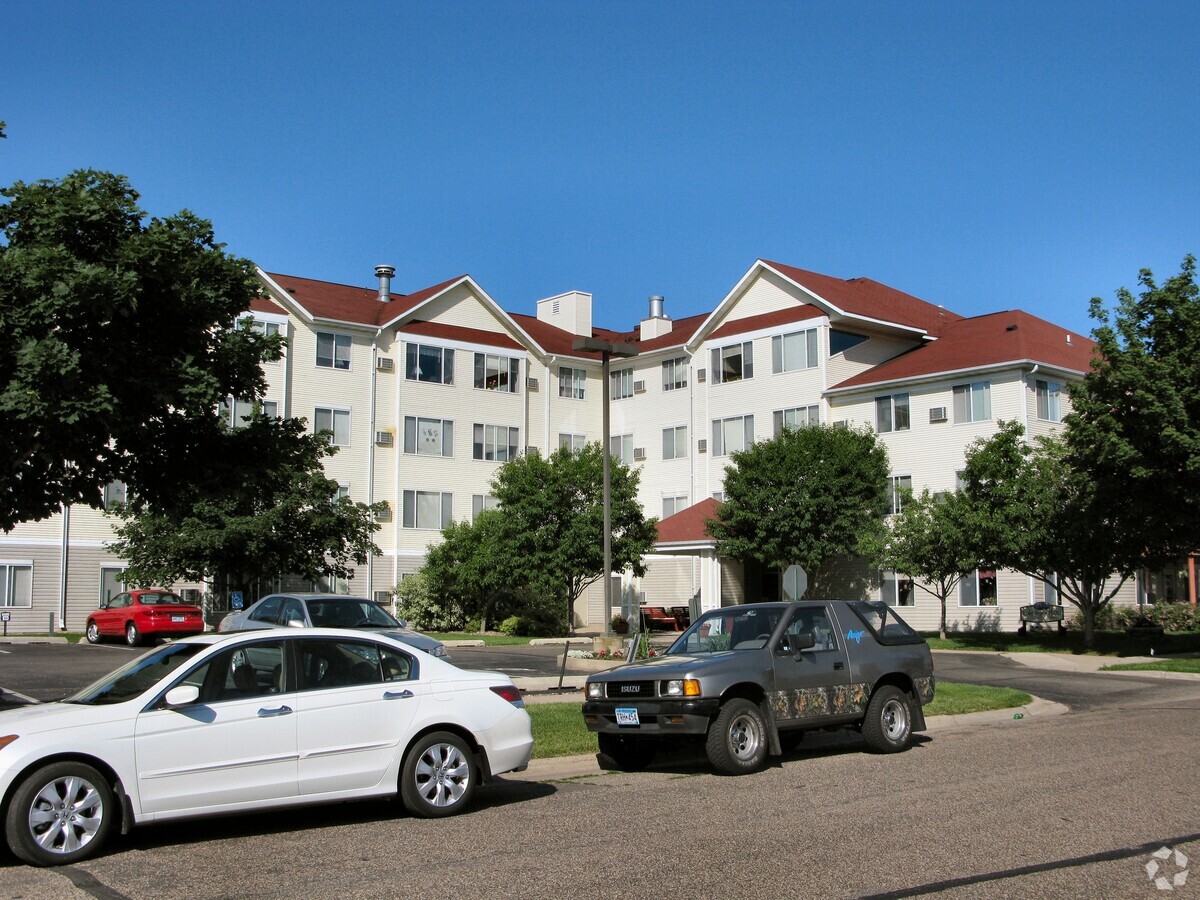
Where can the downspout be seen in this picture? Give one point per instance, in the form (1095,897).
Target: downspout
(62,571)
(1025,405)
(371,457)
(546,403)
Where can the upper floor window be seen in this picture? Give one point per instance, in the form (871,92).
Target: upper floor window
(573,442)
(796,417)
(675,374)
(973,402)
(114,494)
(791,352)
(1049,400)
(427,509)
(480,502)
(270,329)
(899,486)
(497,373)
(333,350)
(891,413)
(425,363)
(841,341)
(572,383)
(335,421)
(428,437)
(620,384)
(496,442)
(675,442)
(733,363)
(238,413)
(620,447)
(736,433)
(673,504)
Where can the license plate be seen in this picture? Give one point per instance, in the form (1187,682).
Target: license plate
(627,717)
(178,618)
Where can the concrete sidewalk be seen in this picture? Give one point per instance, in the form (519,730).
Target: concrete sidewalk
(1079,662)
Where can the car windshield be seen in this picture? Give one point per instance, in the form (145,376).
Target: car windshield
(741,628)
(883,621)
(155,599)
(349,613)
(135,677)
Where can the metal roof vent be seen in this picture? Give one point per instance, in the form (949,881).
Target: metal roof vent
(384,274)
(656,306)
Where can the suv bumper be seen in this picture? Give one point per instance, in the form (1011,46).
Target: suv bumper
(655,716)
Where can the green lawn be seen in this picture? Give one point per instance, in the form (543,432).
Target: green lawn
(1166,665)
(491,640)
(558,728)
(1108,643)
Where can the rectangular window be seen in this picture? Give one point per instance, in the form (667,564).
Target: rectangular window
(1047,591)
(675,374)
(333,350)
(978,588)
(425,363)
(343,490)
(730,435)
(238,413)
(891,413)
(114,494)
(973,402)
(733,363)
(16,583)
(674,504)
(573,442)
(795,351)
(480,502)
(497,373)
(796,417)
(112,582)
(427,509)
(495,442)
(620,384)
(675,442)
(899,487)
(895,589)
(428,437)
(335,421)
(269,329)
(1049,401)
(620,447)
(572,383)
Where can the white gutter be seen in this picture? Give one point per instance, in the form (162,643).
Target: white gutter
(550,448)
(371,457)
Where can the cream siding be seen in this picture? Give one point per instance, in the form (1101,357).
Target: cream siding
(765,294)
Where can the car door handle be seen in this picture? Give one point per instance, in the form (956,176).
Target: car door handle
(397,695)
(281,711)
(838,666)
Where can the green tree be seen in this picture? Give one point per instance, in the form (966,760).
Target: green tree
(929,540)
(1032,510)
(553,521)
(1135,425)
(121,339)
(470,567)
(804,497)
(257,505)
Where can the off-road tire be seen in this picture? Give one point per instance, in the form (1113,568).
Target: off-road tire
(887,727)
(737,738)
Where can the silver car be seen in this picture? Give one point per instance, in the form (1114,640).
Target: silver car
(299,610)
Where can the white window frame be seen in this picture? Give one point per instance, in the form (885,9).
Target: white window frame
(970,582)
(572,383)
(480,502)
(114,493)
(620,384)
(743,352)
(623,445)
(334,412)
(675,442)
(897,483)
(507,370)
(121,585)
(719,445)
(889,588)
(495,443)
(8,583)
(413,352)
(1049,400)
(890,410)
(794,351)
(673,503)
(412,429)
(792,416)
(972,402)
(573,442)
(675,373)
(343,490)
(339,350)
(411,507)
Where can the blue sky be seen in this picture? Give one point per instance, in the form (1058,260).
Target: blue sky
(983,156)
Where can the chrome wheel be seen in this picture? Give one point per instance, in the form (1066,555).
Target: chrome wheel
(66,815)
(895,720)
(93,633)
(442,775)
(745,737)
(132,637)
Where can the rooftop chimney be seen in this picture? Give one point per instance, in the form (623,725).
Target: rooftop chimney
(384,274)
(657,323)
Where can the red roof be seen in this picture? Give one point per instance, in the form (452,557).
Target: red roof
(682,331)
(872,300)
(994,339)
(343,303)
(689,526)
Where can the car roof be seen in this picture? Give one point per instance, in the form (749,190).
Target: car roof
(218,637)
(314,595)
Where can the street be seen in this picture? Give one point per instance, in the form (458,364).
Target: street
(1068,806)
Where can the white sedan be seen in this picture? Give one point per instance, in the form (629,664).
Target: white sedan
(223,723)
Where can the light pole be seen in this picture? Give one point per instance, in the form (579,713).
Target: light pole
(607,350)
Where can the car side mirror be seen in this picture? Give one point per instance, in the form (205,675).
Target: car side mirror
(802,641)
(183,695)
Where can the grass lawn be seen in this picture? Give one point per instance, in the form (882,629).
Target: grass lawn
(491,640)
(558,728)
(1166,665)
(1108,643)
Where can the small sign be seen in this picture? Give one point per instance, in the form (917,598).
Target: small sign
(5,617)
(627,716)
(795,582)
(235,599)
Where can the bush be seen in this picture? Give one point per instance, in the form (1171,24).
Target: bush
(510,626)
(422,610)
(1167,616)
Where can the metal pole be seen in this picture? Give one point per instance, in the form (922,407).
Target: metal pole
(607,499)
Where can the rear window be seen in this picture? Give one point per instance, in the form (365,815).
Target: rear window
(884,623)
(155,599)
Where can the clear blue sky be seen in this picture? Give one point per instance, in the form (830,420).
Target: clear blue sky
(983,156)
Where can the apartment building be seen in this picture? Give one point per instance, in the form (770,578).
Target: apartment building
(427,394)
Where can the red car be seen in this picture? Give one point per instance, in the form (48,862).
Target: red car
(135,615)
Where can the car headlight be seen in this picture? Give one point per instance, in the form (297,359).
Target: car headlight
(440,651)
(681,687)
(595,690)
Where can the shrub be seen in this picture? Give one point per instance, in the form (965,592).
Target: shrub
(510,626)
(422,610)
(1168,616)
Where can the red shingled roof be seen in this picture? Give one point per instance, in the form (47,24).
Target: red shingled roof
(344,303)
(994,339)
(689,526)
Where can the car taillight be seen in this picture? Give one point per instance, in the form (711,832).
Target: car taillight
(510,693)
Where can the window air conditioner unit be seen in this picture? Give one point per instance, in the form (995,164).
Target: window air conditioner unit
(384,515)
(531,384)
(383,598)
(937,414)
(383,438)
(639,387)
(841,423)
(701,375)
(529,451)
(385,364)
(639,453)
(702,446)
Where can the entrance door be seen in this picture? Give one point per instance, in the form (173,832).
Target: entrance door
(814,689)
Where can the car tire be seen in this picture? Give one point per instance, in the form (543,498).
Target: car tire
(438,777)
(887,727)
(92,632)
(625,752)
(60,814)
(133,637)
(737,738)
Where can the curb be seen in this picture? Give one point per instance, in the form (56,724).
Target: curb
(23,639)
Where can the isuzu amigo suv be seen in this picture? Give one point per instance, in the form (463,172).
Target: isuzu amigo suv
(750,680)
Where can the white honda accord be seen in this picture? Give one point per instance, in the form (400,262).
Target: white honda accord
(223,723)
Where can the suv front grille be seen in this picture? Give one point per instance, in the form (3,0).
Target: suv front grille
(629,690)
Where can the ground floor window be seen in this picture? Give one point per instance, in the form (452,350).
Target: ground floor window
(16,583)
(978,588)
(112,582)
(896,589)
(1167,585)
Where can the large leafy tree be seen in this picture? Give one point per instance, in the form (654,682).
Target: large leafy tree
(929,539)
(1033,510)
(1135,425)
(553,521)
(121,339)
(471,565)
(804,497)
(257,504)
